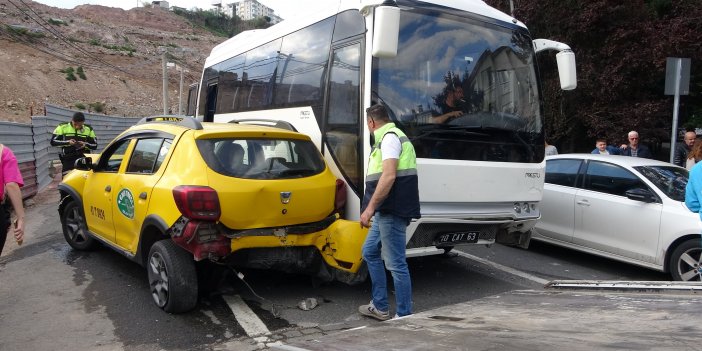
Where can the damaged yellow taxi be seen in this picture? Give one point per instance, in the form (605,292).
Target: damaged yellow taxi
(171,191)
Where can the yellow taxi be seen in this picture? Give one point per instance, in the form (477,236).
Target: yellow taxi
(171,191)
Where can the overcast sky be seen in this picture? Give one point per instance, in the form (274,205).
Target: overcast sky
(282,8)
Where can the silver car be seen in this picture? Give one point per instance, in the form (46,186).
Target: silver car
(625,208)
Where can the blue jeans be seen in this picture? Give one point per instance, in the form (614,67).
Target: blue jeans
(386,241)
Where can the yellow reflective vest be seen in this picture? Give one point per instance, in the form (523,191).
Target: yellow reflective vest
(403,199)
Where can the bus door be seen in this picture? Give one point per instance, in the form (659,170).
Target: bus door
(211,102)
(192,99)
(342,125)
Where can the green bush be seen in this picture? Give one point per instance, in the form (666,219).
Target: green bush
(70,73)
(98,107)
(79,106)
(57,22)
(24,32)
(80,73)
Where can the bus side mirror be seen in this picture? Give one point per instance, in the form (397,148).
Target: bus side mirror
(566,70)
(386,30)
(565,60)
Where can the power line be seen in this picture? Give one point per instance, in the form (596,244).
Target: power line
(60,36)
(24,41)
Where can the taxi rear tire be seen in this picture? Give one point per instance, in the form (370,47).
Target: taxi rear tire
(74,230)
(172,277)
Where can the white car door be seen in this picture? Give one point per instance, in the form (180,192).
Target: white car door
(606,220)
(558,204)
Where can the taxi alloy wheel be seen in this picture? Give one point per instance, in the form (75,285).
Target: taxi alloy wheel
(686,261)
(73,225)
(172,277)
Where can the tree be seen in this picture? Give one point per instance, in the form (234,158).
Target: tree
(621,49)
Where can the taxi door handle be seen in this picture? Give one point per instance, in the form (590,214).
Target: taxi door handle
(143,195)
(108,188)
(584,202)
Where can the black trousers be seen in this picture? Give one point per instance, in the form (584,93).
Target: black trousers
(68,162)
(4,225)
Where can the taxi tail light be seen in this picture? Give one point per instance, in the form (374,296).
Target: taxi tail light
(197,202)
(340,197)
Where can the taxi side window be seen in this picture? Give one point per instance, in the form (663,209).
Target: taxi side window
(148,155)
(111,159)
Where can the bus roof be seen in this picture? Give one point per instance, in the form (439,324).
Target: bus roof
(250,39)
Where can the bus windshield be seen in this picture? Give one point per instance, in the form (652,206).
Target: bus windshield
(463,89)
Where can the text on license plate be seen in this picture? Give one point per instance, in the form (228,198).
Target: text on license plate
(457,237)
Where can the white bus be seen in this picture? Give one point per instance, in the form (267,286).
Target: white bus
(458,77)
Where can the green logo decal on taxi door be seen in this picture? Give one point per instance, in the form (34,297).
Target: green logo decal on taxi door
(125,203)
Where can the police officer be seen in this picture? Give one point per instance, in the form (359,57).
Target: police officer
(75,138)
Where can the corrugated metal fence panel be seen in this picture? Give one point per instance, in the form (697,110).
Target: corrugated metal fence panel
(44,153)
(106,128)
(18,137)
(31,143)
(29,176)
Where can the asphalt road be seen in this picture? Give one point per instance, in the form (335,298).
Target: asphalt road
(49,291)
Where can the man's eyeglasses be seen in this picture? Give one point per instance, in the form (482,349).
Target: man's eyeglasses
(633,138)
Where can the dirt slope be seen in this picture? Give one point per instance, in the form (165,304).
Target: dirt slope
(97,38)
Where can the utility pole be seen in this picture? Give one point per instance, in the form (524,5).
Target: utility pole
(180,92)
(165,81)
(511,8)
(165,64)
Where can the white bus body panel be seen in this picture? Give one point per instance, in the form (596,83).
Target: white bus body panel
(452,192)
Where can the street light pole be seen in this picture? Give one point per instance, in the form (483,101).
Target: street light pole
(165,82)
(180,92)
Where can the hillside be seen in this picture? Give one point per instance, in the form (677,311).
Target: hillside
(118,51)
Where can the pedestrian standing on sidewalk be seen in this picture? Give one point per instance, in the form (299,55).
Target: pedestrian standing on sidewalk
(695,155)
(693,190)
(391,199)
(635,149)
(682,150)
(75,138)
(11,180)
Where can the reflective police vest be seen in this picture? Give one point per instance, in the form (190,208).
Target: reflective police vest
(65,132)
(403,199)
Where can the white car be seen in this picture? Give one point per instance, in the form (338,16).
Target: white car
(625,208)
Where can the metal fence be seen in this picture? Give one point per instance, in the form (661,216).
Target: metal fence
(31,143)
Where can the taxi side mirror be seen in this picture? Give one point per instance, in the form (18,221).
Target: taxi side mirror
(84,164)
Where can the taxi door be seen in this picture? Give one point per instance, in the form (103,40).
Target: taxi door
(133,189)
(98,201)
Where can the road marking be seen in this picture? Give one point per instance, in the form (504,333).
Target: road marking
(503,268)
(249,321)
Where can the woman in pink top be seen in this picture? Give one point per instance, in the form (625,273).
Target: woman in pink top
(11,179)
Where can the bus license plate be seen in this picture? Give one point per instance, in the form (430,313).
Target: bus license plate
(457,238)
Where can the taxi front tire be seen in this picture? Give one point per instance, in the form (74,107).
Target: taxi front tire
(73,225)
(172,277)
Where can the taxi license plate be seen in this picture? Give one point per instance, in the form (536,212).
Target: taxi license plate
(457,238)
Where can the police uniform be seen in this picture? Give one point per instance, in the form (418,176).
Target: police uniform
(63,133)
